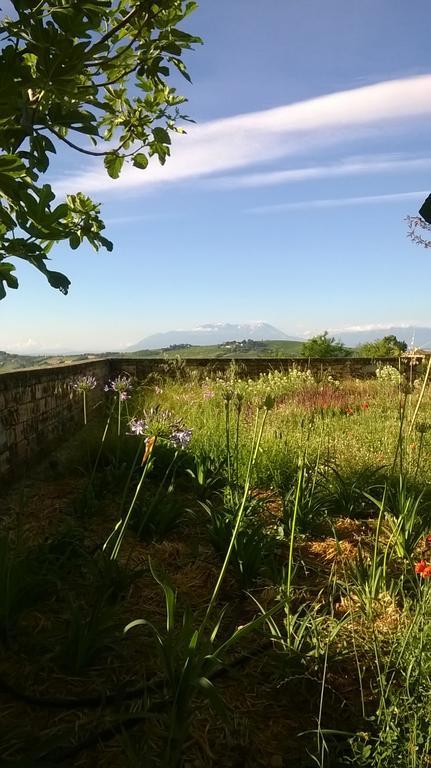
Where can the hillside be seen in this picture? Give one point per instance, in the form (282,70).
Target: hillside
(13,362)
(237,350)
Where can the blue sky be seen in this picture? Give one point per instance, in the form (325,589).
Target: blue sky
(284,203)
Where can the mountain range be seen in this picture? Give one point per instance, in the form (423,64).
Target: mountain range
(219,333)
(210,334)
(412,335)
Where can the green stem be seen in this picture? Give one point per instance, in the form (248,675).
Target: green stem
(228,456)
(122,524)
(399,446)
(292,541)
(418,460)
(119,414)
(257,437)
(153,503)
(105,432)
(421,395)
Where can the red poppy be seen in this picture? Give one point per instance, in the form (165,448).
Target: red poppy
(420,567)
(365,405)
(426,573)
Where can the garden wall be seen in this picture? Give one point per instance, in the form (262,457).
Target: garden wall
(339,368)
(38,406)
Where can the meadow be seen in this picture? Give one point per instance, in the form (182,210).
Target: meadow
(217,571)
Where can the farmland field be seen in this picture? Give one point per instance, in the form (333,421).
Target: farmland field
(222,572)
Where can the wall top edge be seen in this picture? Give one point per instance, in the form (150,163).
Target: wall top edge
(27,373)
(72,367)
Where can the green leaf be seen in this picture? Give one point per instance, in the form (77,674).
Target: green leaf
(74,241)
(58,280)
(7,277)
(161,135)
(210,693)
(140,160)
(113,164)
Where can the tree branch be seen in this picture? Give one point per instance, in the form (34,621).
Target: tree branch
(75,146)
(118,27)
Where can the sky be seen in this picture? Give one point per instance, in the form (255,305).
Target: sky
(285,202)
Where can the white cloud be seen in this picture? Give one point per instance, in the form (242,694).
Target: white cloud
(347,167)
(236,142)
(340,202)
(370,327)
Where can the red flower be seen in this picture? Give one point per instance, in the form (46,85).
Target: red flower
(426,573)
(349,411)
(365,405)
(420,567)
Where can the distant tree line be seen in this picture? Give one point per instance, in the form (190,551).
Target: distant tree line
(326,346)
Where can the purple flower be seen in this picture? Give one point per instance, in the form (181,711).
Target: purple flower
(137,426)
(181,437)
(124,396)
(84,383)
(121,385)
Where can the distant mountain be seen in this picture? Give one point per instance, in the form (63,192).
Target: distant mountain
(211,334)
(419,337)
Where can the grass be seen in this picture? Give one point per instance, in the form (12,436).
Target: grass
(262,598)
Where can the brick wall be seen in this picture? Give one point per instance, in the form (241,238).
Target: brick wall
(38,406)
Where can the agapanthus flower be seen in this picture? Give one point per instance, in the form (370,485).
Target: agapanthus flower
(122,385)
(181,437)
(84,383)
(138,426)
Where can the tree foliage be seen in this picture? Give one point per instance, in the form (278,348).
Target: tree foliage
(388,346)
(71,70)
(324,345)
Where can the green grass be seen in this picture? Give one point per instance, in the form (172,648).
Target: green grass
(266,581)
(264,349)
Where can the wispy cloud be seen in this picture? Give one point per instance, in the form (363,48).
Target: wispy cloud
(234,143)
(370,327)
(340,202)
(347,167)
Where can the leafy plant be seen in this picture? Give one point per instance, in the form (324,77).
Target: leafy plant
(254,548)
(347,494)
(114,90)
(311,503)
(206,476)
(408,517)
(88,633)
(189,657)
(156,517)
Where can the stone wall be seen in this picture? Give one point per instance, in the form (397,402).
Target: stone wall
(38,406)
(339,368)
